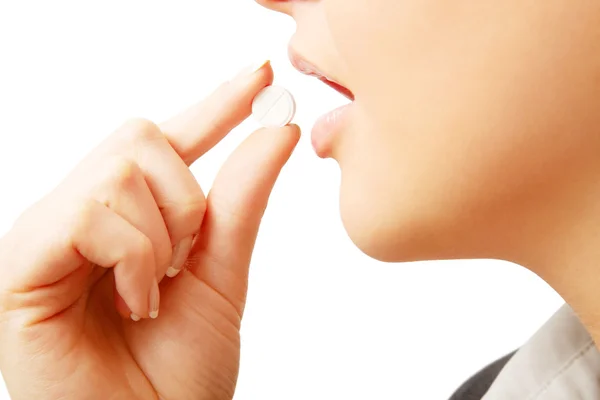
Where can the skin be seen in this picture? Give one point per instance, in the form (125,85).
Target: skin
(474,134)
(83,259)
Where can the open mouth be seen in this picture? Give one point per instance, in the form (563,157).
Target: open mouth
(329,126)
(308,69)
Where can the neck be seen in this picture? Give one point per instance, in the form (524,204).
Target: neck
(562,246)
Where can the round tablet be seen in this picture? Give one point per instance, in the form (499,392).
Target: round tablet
(273,107)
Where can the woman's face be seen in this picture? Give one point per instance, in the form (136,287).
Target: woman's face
(470,118)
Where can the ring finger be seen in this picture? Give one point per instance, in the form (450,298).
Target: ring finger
(125,192)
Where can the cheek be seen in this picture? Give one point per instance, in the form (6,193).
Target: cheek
(381,43)
(422,64)
(464,112)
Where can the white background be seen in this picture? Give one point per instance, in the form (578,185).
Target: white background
(323,321)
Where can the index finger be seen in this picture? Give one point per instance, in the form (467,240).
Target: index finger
(199,128)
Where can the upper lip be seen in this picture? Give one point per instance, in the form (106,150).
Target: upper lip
(307,68)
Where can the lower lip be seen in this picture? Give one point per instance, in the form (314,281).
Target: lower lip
(326,129)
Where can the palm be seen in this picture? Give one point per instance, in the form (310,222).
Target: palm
(191,351)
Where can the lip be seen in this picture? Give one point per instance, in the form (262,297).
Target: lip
(307,68)
(328,127)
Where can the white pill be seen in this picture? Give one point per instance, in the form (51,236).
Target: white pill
(274,106)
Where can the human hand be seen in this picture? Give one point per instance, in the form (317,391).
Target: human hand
(83,264)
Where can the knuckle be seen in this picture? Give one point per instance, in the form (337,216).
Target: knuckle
(185,216)
(141,248)
(141,130)
(194,208)
(124,173)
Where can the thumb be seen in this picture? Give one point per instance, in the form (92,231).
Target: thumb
(235,206)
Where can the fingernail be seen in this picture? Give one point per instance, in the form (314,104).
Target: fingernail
(252,68)
(154,300)
(180,255)
(172,272)
(134,317)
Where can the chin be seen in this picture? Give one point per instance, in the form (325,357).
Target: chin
(374,231)
(395,228)
(401,239)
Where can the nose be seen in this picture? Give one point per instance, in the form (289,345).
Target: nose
(282,6)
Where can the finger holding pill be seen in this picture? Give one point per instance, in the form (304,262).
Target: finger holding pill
(167,207)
